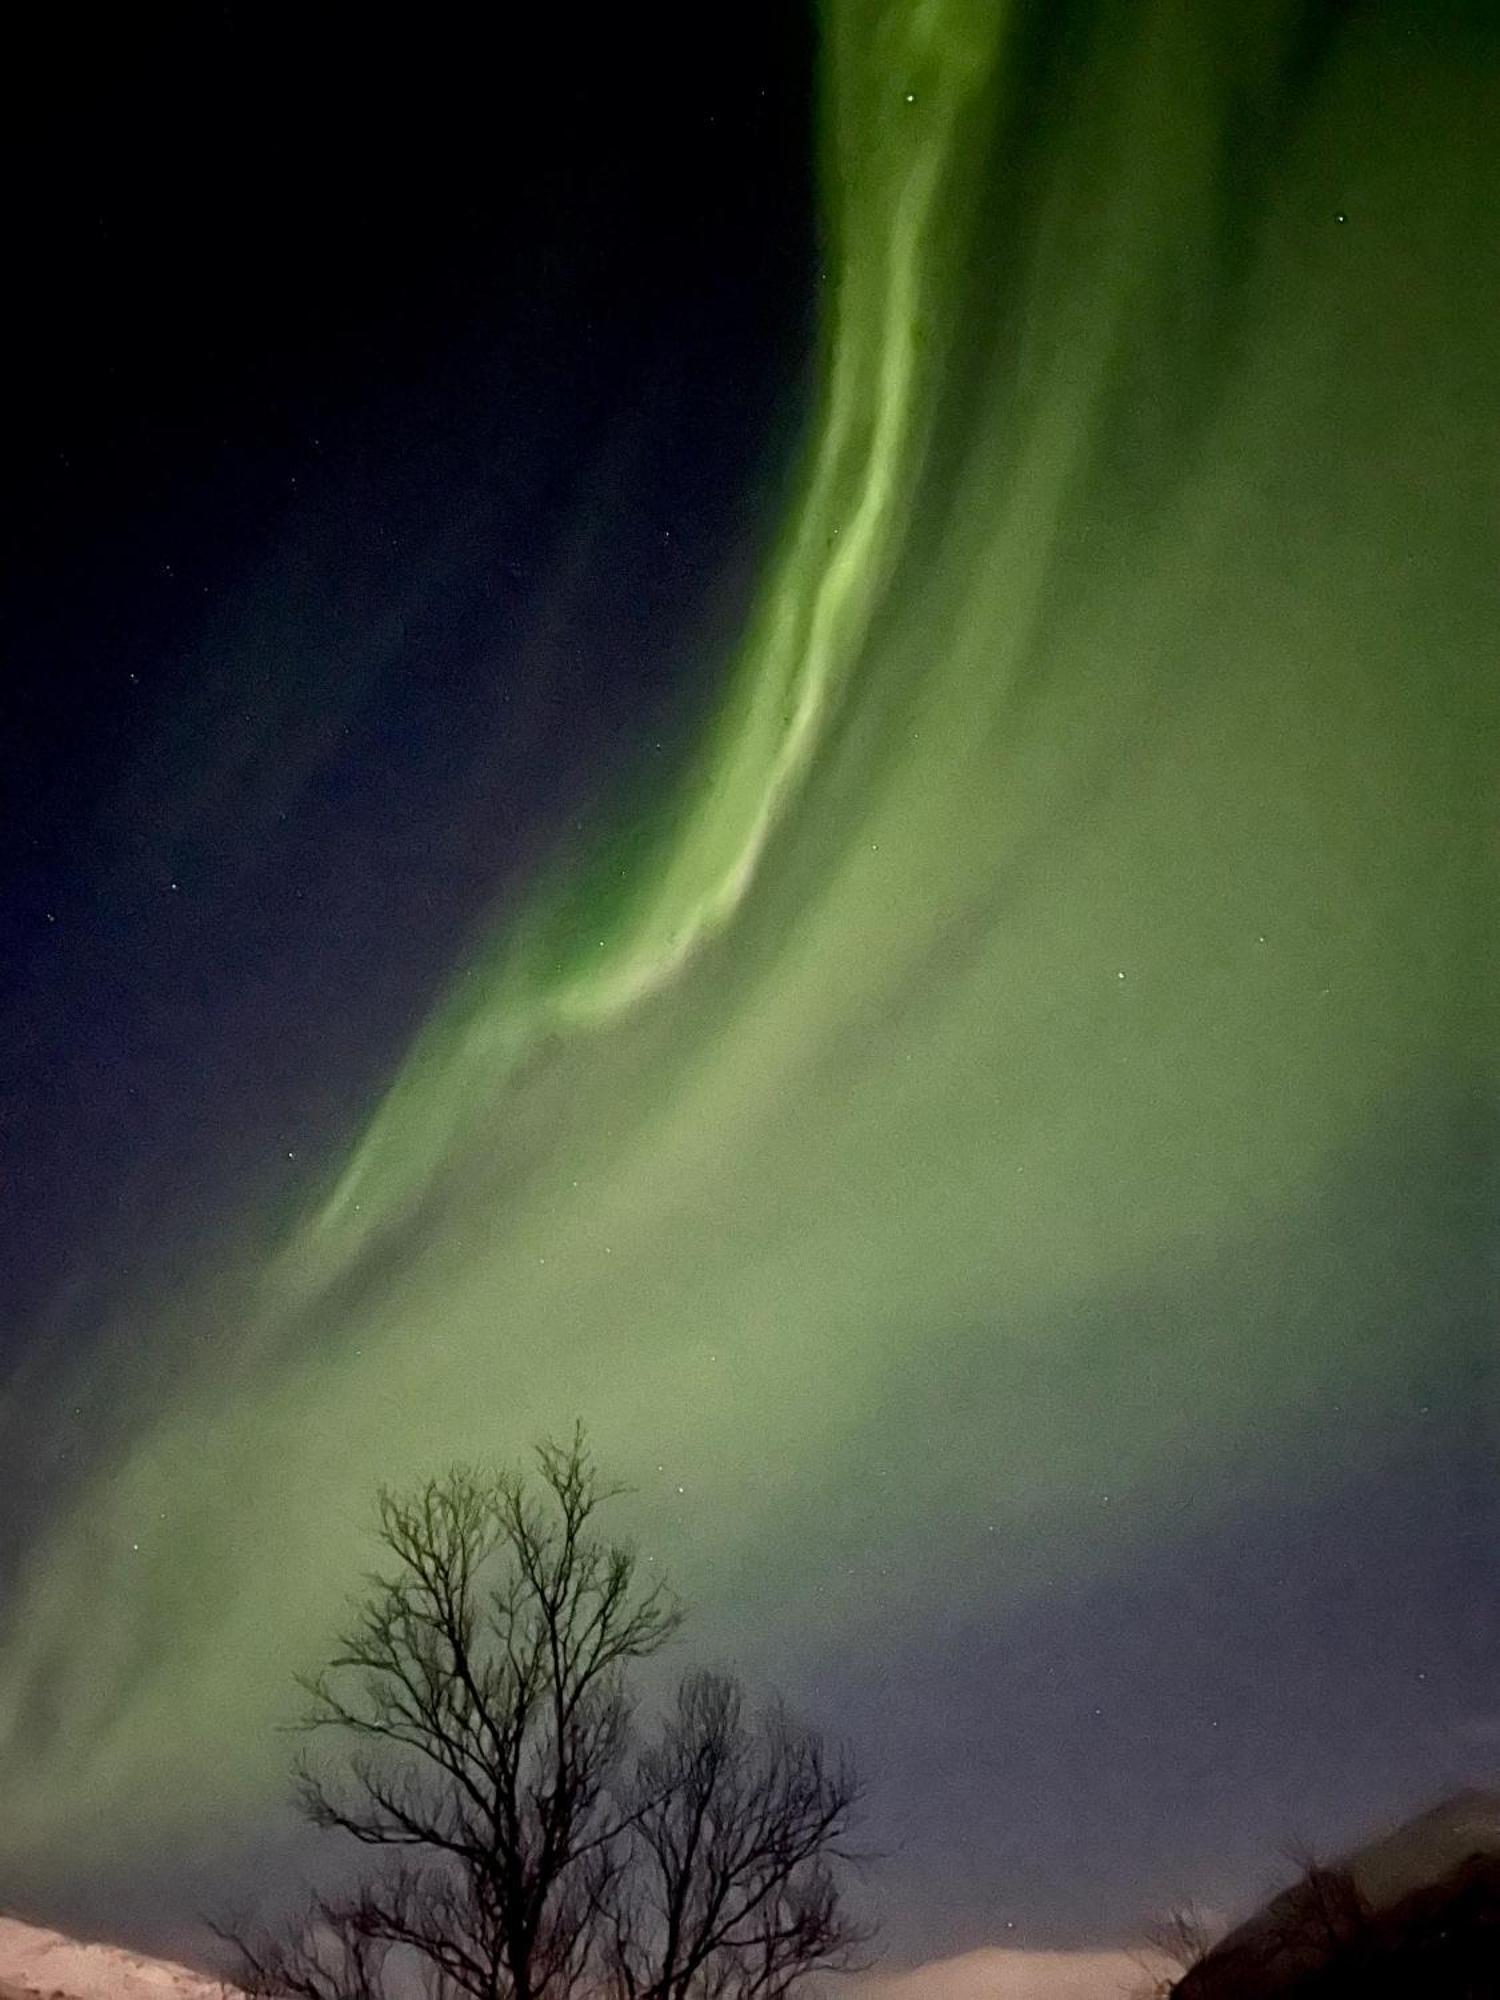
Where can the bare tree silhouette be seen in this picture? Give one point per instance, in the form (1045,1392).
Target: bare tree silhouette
(728,1892)
(482,1737)
(1174,1944)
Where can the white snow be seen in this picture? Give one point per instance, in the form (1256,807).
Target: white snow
(996,1973)
(45,1964)
(42,1965)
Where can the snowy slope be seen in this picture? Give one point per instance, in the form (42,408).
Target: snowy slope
(41,1965)
(1002,1974)
(46,1965)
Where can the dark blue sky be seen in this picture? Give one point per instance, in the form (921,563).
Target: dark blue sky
(401,418)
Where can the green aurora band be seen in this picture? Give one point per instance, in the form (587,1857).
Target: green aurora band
(938,1117)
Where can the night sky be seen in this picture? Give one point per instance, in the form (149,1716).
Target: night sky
(779,727)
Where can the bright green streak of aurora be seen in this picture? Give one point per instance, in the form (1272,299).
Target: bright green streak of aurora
(941,1112)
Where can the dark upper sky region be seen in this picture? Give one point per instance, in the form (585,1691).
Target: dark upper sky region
(1034,1090)
(392,409)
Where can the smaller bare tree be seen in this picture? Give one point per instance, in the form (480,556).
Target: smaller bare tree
(1174,1944)
(725,1889)
(1322,1920)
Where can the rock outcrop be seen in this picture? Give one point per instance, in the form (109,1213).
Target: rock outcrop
(1414,1915)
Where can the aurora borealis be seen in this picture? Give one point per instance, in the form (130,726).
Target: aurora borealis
(990,1125)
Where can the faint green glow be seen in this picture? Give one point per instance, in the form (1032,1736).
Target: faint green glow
(945,1115)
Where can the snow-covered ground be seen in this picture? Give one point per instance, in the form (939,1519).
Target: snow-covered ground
(1001,1974)
(41,1965)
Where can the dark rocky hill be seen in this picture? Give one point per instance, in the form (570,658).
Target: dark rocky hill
(1412,1916)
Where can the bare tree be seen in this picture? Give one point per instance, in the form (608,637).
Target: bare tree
(1174,1944)
(1322,1920)
(479,1704)
(482,1739)
(1302,1939)
(727,1891)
